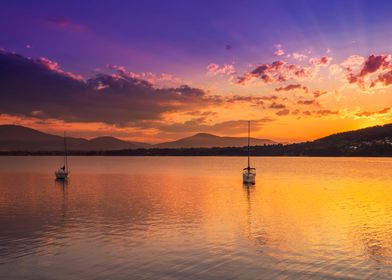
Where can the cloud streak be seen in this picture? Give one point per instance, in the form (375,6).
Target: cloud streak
(292,87)
(66,24)
(226,127)
(374,113)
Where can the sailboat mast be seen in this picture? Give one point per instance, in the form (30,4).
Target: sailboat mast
(248,144)
(65,154)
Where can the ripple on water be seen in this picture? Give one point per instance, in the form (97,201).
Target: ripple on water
(191,218)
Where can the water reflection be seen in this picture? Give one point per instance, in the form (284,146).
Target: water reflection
(255,232)
(62,184)
(190,218)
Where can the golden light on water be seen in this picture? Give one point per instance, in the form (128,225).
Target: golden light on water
(305,216)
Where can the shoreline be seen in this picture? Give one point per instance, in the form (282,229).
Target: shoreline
(98,154)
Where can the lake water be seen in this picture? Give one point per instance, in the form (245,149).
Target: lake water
(191,218)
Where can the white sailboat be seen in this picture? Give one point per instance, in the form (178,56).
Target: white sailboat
(249,173)
(63,172)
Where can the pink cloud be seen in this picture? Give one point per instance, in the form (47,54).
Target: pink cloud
(279,50)
(352,61)
(372,64)
(320,61)
(385,79)
(55,67)
(277,71)
(299,56)
(214,69)
(163,79)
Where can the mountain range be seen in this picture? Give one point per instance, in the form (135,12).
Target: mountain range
(371,141)
(20,138)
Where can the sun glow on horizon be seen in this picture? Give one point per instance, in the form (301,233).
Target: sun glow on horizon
(315,77)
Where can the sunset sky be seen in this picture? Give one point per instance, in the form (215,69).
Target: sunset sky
(160,70)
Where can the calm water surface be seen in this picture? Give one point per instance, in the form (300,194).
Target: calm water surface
(191,218)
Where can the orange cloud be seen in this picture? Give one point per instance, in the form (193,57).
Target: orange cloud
(292,87)
(318,93)
(199,125)
(320,113)
(308,102)
(275,105)
(284,112)
(369,114)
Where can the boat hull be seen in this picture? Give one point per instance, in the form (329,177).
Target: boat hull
(61,175)
(249,178)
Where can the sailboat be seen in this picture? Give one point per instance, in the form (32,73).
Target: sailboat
(62,172)
(249,173)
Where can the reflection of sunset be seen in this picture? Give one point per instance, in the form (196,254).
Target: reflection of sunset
(304,214)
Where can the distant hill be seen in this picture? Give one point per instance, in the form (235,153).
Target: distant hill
(205,140)
(371,141)
(102,143)
(20,138)
(366,134)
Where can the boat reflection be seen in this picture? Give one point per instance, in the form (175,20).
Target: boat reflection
(254,231)
(63,184)
(322,218)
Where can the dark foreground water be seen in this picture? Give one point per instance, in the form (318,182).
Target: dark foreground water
(191,218)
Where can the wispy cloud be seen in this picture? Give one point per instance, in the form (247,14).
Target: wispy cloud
(279,50)
(226,127)
(66,24)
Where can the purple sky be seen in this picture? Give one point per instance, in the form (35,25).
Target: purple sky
(184,36)
(207,45)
